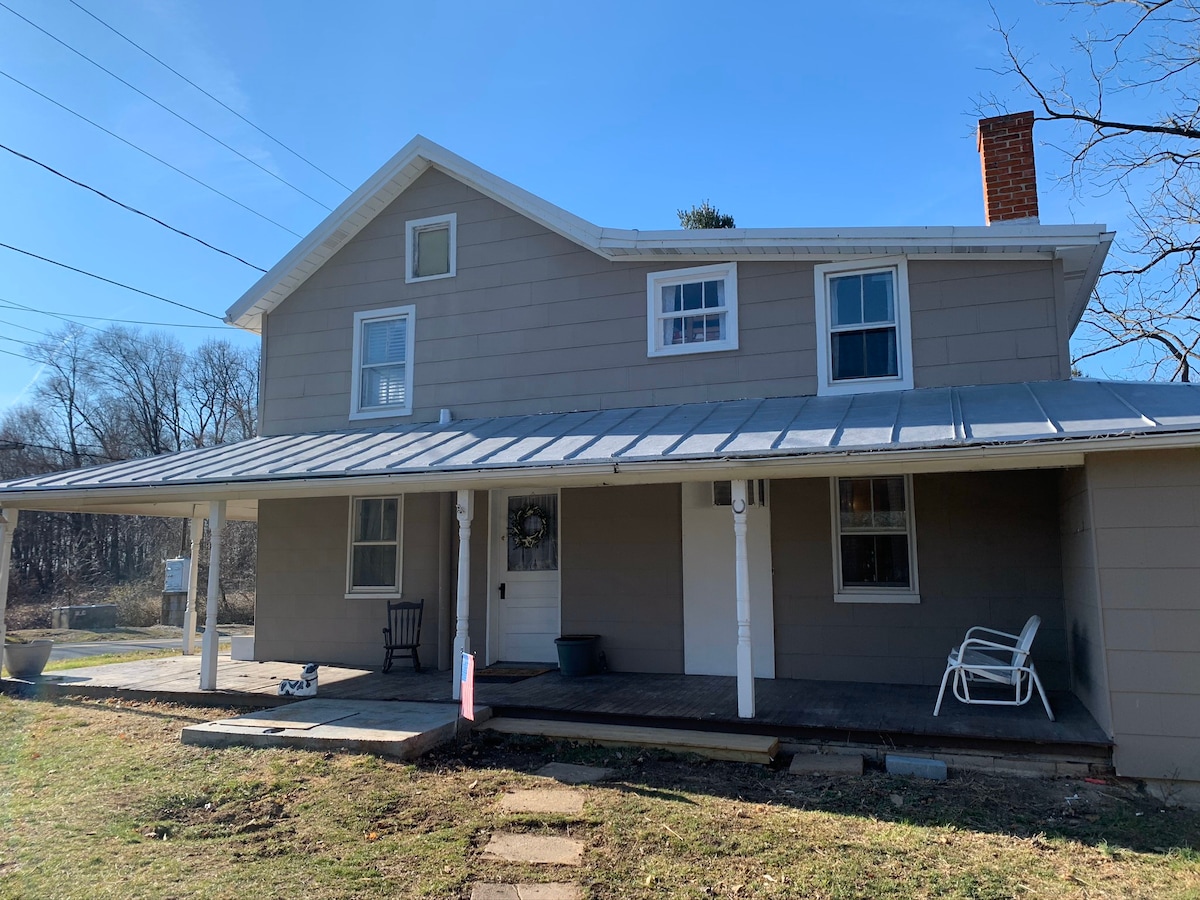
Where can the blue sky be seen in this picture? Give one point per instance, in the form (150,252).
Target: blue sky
(787,114)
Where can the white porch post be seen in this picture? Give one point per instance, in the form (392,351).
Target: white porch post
(465,509)
(745,661)
(189,615)
(208,650)
(8,524)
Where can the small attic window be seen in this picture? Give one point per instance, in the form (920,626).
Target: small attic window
(431,246)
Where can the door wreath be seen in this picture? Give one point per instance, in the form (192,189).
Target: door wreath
(528,525)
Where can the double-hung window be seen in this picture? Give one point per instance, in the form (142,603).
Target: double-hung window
(863,337)
(373,569)
(432,248)
(874,548)
(692,310)
(383,373)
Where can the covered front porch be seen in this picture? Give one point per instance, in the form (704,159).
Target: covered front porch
(796,711)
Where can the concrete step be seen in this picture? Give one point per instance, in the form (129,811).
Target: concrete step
(716,745)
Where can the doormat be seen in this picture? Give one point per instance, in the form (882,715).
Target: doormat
(504,674)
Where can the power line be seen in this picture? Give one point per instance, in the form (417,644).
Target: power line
(12,304)
(22,445)
(166,108)
(119,284)
(100,193)
(145,152)
(217,100)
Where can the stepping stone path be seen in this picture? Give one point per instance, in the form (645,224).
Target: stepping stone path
(540,849)
(544,800)
(551,891)
(572,774)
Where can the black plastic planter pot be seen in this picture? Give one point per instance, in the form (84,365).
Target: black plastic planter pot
(578,654)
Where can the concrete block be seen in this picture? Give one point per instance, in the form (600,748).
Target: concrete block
(826,764)
(544,800)
(535,848)
(569,773)
(916,765)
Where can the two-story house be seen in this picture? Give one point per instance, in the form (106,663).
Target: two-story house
(811,453)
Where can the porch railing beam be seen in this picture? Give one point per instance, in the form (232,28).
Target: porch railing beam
(8,524)
(208,648)
(195,532)
(745,657)
(465,510)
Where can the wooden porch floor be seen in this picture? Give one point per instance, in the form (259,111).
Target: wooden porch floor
(889,714)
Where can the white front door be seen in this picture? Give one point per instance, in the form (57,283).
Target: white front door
(524,607)
(709,589)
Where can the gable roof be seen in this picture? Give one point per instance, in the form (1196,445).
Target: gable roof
(1081,247)
(1036,424)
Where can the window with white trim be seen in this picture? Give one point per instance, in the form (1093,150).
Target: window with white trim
(382,379)
(373,568)
(692,310)
(874,546)
(431,247)
(864,341)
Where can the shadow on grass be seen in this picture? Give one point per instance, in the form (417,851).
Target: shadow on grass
(1111,816)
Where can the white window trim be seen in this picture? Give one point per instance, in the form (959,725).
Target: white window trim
(382,412)
(842,594)
(655,281)
(825,383)
(410,243)
(375,593)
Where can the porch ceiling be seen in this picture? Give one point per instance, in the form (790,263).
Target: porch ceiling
(946,429)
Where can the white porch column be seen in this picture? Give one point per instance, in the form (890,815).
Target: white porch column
(189,615)
(745,662)
(208,650)
(8,524)
(465,509)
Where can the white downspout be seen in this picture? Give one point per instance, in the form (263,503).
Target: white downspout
(8,524)
(465,509)
(208,650)
(189,616)
(745,660)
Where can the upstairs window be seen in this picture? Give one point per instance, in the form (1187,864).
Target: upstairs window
(874,550)
(692,310)
(383,351)
(863,339)
(432,251)
(375,537)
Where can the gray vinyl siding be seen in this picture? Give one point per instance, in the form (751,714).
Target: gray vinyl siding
(1146,512)
(301,612)
(987,554)
(622,573)
(1085,631)
(534,323)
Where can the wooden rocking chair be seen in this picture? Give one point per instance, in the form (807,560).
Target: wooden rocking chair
(403,633)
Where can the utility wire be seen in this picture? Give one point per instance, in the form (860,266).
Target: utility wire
(145,152)
(119,284)
(217,100)
(12,304)
(10,444)
(166,108)
(100,193)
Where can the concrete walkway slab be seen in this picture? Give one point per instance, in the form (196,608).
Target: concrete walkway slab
(535,848)
(556,890)
(543,800)
(399,729)
(568,773)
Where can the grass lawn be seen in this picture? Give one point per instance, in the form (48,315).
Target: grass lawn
(100,799)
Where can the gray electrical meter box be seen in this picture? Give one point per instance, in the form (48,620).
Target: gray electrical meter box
(177,575)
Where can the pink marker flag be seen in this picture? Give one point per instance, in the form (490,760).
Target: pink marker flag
(468,686)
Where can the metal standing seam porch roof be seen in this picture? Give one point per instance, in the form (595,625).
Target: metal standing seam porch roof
(689,441)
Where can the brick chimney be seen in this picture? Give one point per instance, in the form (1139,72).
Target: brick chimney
(1009,176)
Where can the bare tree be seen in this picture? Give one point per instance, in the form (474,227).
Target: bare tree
(1126,103)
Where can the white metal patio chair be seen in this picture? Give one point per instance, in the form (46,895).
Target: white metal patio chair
(999,659)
